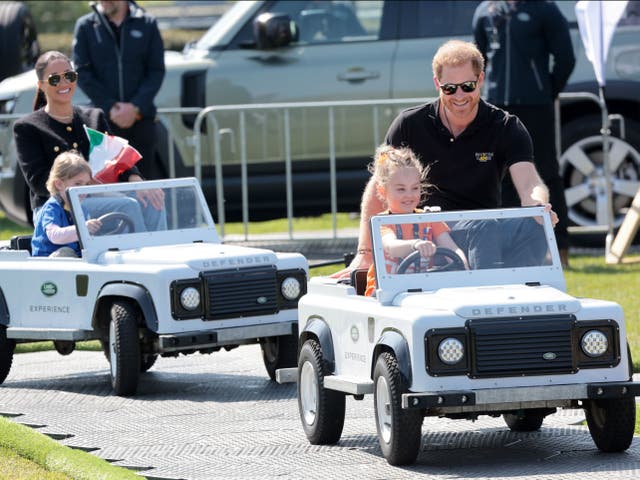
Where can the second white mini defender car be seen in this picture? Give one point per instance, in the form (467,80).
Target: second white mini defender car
(175,290)
(501,338)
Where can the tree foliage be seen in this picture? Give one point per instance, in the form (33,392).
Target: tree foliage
(57,16)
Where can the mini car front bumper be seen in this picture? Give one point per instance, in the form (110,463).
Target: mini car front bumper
(495,399)
(221,337)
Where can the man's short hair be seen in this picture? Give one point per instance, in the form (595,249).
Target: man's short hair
(455,53)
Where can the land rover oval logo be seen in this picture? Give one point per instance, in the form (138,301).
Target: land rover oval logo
(261,300)
(549,356)
(49,289)
(355,334)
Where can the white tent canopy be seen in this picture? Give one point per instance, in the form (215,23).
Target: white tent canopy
(597,21)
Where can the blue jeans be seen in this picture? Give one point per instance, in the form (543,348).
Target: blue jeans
(98,206)
(154,220)
(512,242)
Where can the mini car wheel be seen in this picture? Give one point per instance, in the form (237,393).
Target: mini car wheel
(611,422)
(321,410)
(64,347)
(124,349)
(114,223)
(279,352)
(524,421)
(7,346)
(399,430)
(147,360)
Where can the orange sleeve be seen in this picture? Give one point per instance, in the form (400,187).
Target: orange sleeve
(438,228)
(371,282)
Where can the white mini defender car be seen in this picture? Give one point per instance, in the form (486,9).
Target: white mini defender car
(444,341)
(150,293)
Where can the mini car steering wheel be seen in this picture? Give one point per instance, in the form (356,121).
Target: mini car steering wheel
(118,221)
(414,257)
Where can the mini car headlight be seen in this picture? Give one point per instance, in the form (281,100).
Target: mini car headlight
(450,351)
(190,298)
(290,288)
(594,343)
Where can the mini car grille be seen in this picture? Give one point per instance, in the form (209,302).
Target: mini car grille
(521,346)
(241,292)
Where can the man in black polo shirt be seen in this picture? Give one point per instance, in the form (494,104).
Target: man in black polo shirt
(467,144)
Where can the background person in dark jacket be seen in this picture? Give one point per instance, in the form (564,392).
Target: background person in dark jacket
(517,39)
(119,55)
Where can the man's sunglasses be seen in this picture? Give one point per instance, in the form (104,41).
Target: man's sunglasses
(466,87)
(55,79)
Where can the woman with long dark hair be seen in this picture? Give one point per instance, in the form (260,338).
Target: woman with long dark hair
(56,125)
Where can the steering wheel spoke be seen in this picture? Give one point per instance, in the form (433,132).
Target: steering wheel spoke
(456,262)
(114,223)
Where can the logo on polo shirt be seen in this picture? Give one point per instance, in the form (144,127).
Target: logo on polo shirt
(484,156)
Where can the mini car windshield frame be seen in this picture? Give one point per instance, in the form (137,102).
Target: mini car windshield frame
(502,246)
(183,216)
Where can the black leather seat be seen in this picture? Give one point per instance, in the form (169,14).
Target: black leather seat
(359,280)
(20,242)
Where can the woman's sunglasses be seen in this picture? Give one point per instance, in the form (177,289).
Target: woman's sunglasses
(55,79)
(466,87)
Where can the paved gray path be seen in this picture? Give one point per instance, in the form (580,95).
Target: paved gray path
(203,417)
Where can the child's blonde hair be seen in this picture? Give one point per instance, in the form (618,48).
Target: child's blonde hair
(66,165)
(388,159)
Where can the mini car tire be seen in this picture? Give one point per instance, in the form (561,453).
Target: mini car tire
(279,352)
(104,343)
(399,430)
(611,422)
(147,360)
(64,347)
(524,421)
(7,346)
(124,349)
(321,410)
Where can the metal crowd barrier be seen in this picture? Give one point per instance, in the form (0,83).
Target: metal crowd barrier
(209,114)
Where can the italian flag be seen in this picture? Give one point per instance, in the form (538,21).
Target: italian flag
(109,156)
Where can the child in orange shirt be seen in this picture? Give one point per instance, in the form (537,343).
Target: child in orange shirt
(399,177)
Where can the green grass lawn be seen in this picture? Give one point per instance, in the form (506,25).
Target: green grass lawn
(13,466)
(8,229)
(28,454)
(322,222)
